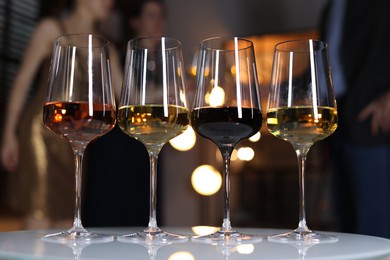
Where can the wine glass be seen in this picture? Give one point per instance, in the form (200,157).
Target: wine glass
(153,110)
(226,110)
(301,110)
(80,107)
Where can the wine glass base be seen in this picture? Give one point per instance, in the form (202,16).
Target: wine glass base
(303,237)
(152,238)
(227,238)
(77,236)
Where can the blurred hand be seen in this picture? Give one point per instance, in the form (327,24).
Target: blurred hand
(379,110)
(10,153)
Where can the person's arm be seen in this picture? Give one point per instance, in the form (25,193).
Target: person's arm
(38,48)
(379,110)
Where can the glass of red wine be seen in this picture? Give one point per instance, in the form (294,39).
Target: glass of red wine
(226,110)
(79,106)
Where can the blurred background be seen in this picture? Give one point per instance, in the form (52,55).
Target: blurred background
(264,171)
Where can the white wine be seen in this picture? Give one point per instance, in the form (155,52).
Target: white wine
(302,124)
(148,124)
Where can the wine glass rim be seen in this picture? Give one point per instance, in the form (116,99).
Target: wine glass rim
(227,38)
(279,46)
(138,39)
(104,42)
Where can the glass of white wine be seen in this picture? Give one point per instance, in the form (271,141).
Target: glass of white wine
(301,110)
(153,109)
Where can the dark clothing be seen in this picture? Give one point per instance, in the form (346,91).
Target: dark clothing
(116,179)
(365,59)
(361,183)
(361,176)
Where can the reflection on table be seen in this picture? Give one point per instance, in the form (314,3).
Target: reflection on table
(28,245)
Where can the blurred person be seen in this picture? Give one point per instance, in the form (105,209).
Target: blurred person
(148,19)
(117,166)
(41,164)
(356,31)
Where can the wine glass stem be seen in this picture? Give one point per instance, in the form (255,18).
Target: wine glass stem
(301,155)
(226,153)
(152,254)
(152,226)
(78,153)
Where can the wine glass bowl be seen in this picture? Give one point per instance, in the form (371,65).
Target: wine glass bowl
(301,110)
(148,124)
(153,109)
(79,107)
(72,120)
(226,110)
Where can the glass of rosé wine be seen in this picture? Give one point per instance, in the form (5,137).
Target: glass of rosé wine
(79,106)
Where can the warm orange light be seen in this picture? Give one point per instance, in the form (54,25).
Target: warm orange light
(58,118)
(233,70)
(206,72)
(193,71)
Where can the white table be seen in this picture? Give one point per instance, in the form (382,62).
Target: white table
(28,245)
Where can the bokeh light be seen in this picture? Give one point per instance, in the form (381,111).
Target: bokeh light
(245,153)
(216,97)
(245,249)
(206,180)
(204,230)
(181,255)
(255,137)
(184,141)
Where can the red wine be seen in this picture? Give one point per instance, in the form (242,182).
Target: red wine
(75,121)
(223,126)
